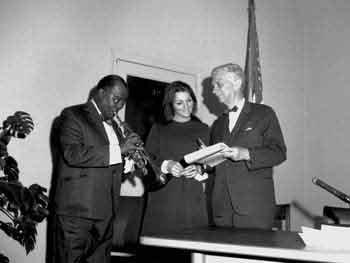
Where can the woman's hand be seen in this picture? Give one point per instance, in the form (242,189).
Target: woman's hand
(175,168)
(191,171)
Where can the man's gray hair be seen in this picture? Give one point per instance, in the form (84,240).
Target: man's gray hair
(229,67)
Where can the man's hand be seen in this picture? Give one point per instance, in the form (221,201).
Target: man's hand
(237,153)
(131,143)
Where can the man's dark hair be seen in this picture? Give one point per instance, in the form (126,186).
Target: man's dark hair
(110,81)
(169,96)
(105,83)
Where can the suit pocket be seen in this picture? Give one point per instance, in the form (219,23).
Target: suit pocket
(75,175)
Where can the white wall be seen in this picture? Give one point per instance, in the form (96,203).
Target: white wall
(327,94)
(53,52)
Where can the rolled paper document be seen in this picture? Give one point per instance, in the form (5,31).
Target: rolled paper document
(211,155)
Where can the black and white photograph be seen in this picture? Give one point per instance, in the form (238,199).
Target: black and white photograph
(162,131)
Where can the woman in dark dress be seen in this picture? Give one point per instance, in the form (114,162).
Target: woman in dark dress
(180,203)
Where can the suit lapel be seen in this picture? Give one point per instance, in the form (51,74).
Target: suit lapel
(118,131)
(243,117)
(95,119)
(222,131)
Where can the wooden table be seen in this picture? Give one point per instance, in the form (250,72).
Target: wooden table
(242,245)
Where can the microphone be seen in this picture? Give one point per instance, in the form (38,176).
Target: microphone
(342,196)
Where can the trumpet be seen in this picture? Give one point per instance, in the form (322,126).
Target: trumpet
(142,159)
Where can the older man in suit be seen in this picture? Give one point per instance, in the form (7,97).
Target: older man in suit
(243,194)
(89,174)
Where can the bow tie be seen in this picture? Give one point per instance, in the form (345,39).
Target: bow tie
(109,121)
(233,109)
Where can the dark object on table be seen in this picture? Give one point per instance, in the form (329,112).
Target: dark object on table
(338,215)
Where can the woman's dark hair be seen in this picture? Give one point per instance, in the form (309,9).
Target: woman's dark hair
(169,96)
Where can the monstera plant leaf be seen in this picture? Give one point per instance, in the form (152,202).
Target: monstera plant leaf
(21,230)
(4,259)
(30,202)
(11,169)
(26,229)
(3,153)
(18,125)
(12,192)
(3,147)
(28,207)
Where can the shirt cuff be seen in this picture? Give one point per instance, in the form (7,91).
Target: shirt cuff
(247,155)
(164,167)
(201,177)
(115,155)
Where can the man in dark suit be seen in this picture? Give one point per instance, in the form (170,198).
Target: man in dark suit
(89,174)
(243,194)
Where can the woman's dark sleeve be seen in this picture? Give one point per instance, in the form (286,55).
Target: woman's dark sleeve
(153,181)
(153,145)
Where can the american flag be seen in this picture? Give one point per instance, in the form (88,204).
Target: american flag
(253,80)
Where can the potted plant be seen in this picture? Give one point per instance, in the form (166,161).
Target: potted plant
(23,207)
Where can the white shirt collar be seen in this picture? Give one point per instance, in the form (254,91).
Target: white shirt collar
(233,116)
(96,107)
(240,104)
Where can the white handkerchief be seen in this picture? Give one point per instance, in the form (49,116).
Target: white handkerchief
(129,166)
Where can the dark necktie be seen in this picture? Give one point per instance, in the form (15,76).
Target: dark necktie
(233,109)
(116,129)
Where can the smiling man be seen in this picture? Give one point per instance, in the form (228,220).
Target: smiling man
(243,194)
(89,174)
